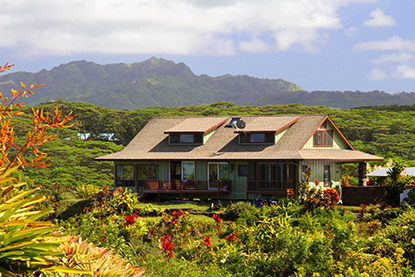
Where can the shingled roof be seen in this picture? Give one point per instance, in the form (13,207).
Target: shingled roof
(151,143)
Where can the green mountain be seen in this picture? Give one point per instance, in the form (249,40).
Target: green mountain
(154,82)
(158,82)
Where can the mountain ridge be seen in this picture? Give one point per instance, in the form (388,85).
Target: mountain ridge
(160,82)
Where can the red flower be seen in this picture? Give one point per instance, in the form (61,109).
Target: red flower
(166,238)
(317,182)
(177,213)
(167,245)
(217,218)
(129,220)
(207,241)
(103,239)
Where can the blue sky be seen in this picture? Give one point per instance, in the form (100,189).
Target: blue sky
(318,44)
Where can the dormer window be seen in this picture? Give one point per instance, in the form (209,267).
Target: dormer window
(323,138)
(257,137)
(186,138)
(195,130)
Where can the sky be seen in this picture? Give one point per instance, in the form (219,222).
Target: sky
(344,45)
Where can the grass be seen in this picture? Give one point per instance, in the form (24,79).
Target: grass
(196,207)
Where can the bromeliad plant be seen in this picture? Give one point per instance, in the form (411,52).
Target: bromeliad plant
(24,245)
(27,244)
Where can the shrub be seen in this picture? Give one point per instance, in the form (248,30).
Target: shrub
(240,209)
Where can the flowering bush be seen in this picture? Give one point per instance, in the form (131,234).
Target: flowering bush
(218,220)
(167,246)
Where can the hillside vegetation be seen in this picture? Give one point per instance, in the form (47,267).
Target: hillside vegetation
(385,131)
(154,82)
(159,82)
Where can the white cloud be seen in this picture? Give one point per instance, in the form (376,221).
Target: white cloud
(254,46)
(394,43)
(399,58)
(404,71)
(376,74)
(394,58)
(350,32)
(379,19)
(185,27)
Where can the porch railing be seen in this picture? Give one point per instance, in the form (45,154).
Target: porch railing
(186,185)
(268,185)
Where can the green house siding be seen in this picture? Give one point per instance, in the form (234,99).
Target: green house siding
(207,136)
(317,169)
(279,135)
(239,183)
(201,170)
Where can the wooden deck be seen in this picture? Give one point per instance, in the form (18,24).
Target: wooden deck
(186,187)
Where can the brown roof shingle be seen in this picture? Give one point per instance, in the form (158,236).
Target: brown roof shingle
(151,143)
(196,125)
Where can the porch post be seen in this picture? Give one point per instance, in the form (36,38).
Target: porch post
(362,173)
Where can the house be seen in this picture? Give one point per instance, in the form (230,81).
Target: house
(100,136)
(210,157)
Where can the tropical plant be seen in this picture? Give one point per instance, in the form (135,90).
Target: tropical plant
(27,244)
(397,182)
(97,261)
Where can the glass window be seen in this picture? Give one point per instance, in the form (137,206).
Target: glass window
(186,138)
(242,170)
(318,138)
(327,181)
(188,170)
(328,138)
(174,138)
(243,138)
(262,171)
(125,175)
(147,172)
(323,138)
(257,137)
(213,171)
(223,171)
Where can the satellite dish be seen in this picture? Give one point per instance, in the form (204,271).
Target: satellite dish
(234,125)
(240,124)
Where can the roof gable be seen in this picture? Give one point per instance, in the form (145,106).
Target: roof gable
(151,143)
(339,140)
